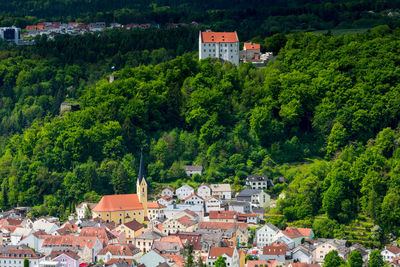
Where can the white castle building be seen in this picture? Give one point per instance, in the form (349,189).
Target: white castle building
(223,45)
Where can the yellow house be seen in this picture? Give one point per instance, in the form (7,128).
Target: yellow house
(125,208)
(131,230)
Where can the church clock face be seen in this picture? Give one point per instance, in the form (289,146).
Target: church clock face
(142,194)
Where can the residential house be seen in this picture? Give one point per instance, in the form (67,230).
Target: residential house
(221,191)
(303,264)
(255,196)
(195,240)
(87,246)
(204,191)
(395,262)
(168,191)
(184,191)
(302,254)
(171,245)
(193,169)
(185,221)
(65,258)
(34,240)
(221,45)
(240,206)
(118,251)
(286,240)
(104,236)
(212,204)
(230,255)
(165,200)
(220,227)
(390,252)
(296,234)
(145,241)
(155,211)
(15,257)
(18,234)
(120,263)
(250,218)
(222,216)
(131,230)
(324,246)
(152,259)
(242,236)
(257,263)
(194,199)
(84,210)
(172,210)
(265,236)
(257,181)
(275,251)
(45,225)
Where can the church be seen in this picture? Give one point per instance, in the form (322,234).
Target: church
(128,207)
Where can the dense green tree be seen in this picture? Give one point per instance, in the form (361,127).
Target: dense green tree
(220,262)
(332,259)
(355,259)
(375,259)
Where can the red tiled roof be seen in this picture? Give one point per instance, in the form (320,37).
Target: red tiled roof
(257,263)
(193,194)
(113,261)
(394,250)
(221,225)
(193,239)
(304,264)
(20,254)
(69,240)
(178,259)
(120,250)
(186,221)
(71,254)
(222,214)
(215,252)
(154,205)
(119,203)
(219,37)
(102,234)
(134,225)
(251,46)
(191,213)
(293,232)
(275,249)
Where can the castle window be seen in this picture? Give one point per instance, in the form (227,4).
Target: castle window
(143,189)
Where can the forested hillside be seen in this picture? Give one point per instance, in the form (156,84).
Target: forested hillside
(250,18)
(331,97)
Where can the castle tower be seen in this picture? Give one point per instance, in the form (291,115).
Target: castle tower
(141,185)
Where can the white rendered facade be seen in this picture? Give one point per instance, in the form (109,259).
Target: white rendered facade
(219,47)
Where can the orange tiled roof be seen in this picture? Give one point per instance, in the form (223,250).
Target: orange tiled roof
(186,221)
(251,46)
(154,205)
(120,250)
(221,225)
(113,261)
(222,214)
(275,249)
(294,232)
(394,250)
(304,264)
(215,252)
(102,234)
(257,263)
(119,203)
(219,37)
(193,194)
(178,259)
(21,254)
(69,241)
(134,225)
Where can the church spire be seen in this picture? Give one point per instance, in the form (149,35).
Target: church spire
(141,174)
